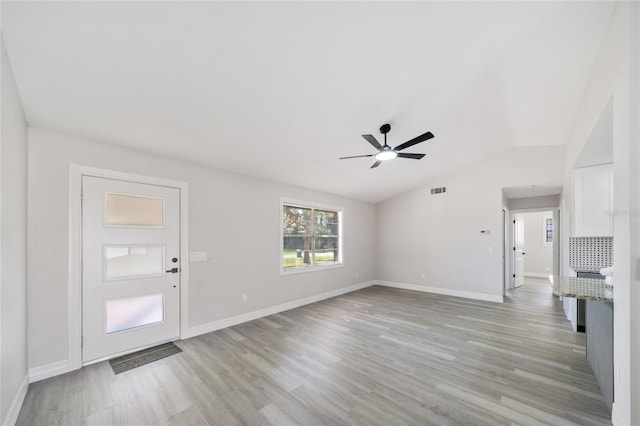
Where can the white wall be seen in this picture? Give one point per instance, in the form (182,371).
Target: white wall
(236,219)
(433,242)
(538,261)
(610,80)
(634,204)
(545,201)
(13,250)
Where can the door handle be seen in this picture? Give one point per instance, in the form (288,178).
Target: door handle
(173,270)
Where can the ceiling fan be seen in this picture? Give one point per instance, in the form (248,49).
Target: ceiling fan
(385,152)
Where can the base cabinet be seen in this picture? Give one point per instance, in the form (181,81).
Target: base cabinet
(599,333)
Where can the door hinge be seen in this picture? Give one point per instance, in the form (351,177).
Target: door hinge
(82,342)
(514,275)
(514,249)
(514,221)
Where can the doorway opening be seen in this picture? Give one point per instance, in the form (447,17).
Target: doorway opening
(531,235)
(533,238)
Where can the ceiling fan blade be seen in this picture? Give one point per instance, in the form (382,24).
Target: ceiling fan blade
(373,141)
(414,156)
(376,164)
(407,144)
(357,156)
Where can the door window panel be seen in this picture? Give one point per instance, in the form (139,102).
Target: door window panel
(134,210)
(132,312)
(133,261)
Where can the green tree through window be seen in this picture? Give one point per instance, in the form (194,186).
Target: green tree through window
(310,236)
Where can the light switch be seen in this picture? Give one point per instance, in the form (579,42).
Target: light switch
(198,256)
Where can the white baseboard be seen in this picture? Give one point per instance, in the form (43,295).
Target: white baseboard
(616,417)
(537,274)
(16,405)
(49,370)
(444,291)
(250,316)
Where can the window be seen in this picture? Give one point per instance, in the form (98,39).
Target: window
(311,237)
(548,231)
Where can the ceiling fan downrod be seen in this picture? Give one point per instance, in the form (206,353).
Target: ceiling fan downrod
(384,129)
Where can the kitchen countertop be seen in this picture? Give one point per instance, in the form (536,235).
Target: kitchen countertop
(582,288)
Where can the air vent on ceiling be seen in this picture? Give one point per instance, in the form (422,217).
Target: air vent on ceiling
(440,190)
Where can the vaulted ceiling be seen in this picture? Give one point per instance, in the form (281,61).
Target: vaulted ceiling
(281,90)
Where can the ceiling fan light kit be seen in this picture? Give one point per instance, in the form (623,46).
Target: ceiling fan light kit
(385,152)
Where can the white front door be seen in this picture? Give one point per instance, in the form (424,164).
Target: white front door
(130,266)
(518,251)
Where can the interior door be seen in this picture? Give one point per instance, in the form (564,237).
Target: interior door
(130,266)
(518,251)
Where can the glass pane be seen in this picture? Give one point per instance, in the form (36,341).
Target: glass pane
(326,249)
(133,261)
(326,223)
(134,210)
(549,230)
(326,241)
(131,312)
(297,236)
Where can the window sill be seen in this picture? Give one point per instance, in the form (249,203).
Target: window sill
(303,269)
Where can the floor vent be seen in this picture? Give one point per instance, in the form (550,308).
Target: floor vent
(440,190)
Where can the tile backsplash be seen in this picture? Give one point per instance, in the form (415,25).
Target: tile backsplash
(590,253)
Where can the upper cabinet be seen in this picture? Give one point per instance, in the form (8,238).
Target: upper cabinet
(593,201)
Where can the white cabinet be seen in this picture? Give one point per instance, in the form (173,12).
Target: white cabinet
(593,201)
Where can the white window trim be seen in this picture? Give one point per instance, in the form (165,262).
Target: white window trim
(544,229)
(312,268)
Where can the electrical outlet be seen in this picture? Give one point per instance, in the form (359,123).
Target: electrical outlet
(423,275)
(244,297)
(357,274)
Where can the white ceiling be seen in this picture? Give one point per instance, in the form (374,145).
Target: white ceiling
(281,90)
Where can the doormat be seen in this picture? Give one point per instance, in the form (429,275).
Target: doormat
(145,356)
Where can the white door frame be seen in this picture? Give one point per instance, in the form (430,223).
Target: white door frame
(76,172)
(506,244)
(556,240)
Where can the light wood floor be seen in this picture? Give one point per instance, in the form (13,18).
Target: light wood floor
(376,356)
